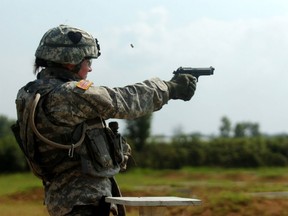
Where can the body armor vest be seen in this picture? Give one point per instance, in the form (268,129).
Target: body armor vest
(50,147)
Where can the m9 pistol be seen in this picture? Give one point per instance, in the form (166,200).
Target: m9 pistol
(196,72)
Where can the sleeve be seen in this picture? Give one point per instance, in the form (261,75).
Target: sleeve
(131,101)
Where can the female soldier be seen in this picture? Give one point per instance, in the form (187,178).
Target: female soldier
(61,122)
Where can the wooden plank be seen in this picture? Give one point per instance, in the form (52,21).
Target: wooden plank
(152,206)
(153,201)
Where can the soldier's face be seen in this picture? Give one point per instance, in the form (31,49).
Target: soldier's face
(85,68)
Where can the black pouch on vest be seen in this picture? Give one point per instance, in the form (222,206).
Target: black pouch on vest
(97,154)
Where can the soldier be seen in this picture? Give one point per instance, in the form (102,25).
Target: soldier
(61,122)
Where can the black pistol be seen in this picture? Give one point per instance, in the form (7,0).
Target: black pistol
(196,72)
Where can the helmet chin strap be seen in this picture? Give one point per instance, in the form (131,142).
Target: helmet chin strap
(73,68)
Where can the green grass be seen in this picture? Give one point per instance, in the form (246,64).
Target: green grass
(12,183)
(223,191)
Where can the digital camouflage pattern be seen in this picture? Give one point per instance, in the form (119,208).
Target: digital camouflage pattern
(74,189)
(61,114)
(66,44)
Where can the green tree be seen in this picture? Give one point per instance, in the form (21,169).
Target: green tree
(254,130)
(5,125)
(246,129)
(239,130)
(225,128)
(138,130)
(11,156)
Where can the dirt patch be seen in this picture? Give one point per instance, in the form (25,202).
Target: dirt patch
(34,194)
(282,194)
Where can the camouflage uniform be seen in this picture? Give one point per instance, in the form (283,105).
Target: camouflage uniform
(60,108)
(64,108)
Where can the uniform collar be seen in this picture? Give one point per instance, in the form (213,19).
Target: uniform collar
(58,73)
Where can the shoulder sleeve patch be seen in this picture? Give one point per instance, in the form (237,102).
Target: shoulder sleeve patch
(84,84)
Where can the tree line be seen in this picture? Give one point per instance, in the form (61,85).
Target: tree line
(238,145)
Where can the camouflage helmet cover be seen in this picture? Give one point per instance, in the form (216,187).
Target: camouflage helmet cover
(67,45)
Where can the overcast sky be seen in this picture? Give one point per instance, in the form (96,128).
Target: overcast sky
(246,41)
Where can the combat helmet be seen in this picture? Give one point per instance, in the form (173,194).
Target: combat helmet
(67,45)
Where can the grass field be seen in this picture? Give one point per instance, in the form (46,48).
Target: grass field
(224,192)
